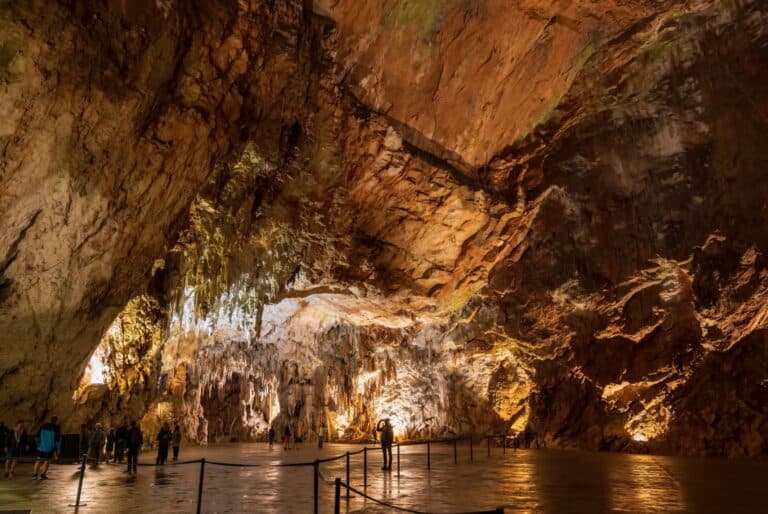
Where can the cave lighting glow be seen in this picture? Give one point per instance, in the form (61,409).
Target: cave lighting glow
(274,409)
(341,422)
(640,438)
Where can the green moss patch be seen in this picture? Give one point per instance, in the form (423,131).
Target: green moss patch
(424,16)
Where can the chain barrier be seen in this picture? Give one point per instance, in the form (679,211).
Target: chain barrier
(406,509)
(318,476)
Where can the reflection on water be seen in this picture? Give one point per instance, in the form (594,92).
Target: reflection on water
(644,484)
(521,482)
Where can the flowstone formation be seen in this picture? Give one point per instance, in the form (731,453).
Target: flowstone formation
(542,218)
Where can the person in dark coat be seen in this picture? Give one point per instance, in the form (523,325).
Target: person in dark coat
(110,444)
(286,437)
(4,431)
(176,442)
(164,437)
(13,445)
(121,440)
(387,438)
(134,441)
(85,440)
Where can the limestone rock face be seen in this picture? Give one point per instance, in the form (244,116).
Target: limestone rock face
(112,117)
(543,218)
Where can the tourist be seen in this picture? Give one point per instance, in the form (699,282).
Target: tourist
(96,445)
(134,440)
(164,437)
(176,442)
(121,440)
(321,435)
(48,446)
(110,444)
(286,437)
(271,436)
(387,438)
(12,445)
(85,440)
(4,431)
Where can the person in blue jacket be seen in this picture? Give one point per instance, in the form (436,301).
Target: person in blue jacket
(48,447)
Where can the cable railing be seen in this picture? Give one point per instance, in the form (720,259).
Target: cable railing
(338,483)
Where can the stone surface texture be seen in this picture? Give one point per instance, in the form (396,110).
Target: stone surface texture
(544,218)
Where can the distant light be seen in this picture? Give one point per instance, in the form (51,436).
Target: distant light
(96,370)
(342,423)
(640,438)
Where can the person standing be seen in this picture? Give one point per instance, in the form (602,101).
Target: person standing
(286,437)
(48,447)
(271,436)
(13,445)
(321,435)
(134,440)
(164,437)
(121,440)
(85,440)
(110,444)
(387,438)
(4,431)
(176,442)
(96,444)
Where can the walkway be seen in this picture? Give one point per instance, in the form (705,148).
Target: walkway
(521,481)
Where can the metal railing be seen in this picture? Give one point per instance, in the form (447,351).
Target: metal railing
(338,483)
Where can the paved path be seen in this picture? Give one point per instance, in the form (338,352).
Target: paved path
(521,481)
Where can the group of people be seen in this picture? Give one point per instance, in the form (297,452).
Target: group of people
(100,445)
(289,437)
(127,441)
(113,445)
(97,445)
(165,439)
(14,441)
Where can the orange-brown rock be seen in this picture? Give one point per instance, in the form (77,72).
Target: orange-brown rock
(537,217)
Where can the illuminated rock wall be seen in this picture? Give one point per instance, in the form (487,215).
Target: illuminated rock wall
(537,217)
(112,115)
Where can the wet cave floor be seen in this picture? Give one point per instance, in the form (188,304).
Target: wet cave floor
(519,481)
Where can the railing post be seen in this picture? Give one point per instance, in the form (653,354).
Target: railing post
(200,486)
(455,454)
(471,450)
(504,444)
(429,455)
(337,497)
(398,459)
(347,475)
(316,467)
(80,483)
(489,445)
(365,467)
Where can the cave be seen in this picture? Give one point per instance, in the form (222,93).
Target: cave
(540,219)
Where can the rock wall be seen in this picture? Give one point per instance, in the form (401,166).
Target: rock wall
(536,217)
(113,114)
